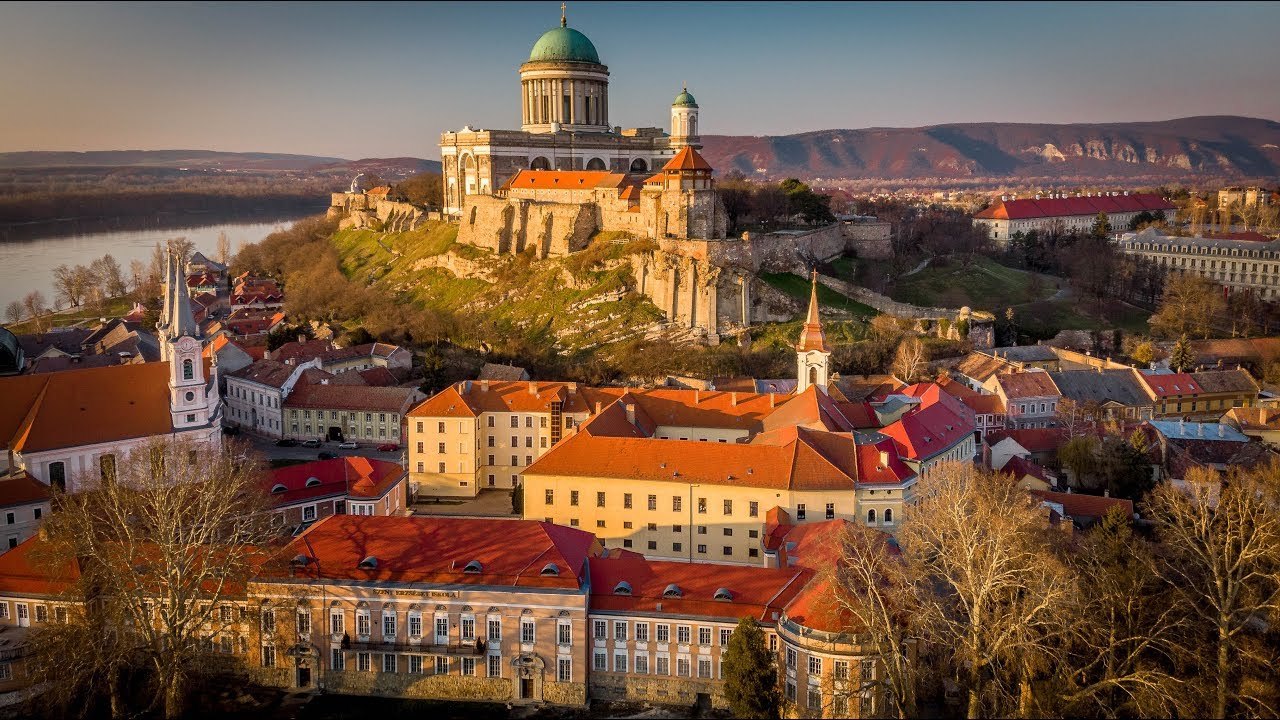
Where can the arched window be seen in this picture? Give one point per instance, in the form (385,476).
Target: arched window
(871,516)
(813,374)
(639,165)
(540,163)
(595,164)
(888,515)
(58,475)
(188,369)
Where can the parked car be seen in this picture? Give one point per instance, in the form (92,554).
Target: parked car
(348,445)
(287,442)
(311,443)
(326,455)
(388,447)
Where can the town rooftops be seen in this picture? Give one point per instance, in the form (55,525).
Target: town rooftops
(1211,431)
(502,373)
(265,372)
(346,396)
(1171,384)
(356,477)
(84,406)
(1031,439)
(22,489)
(1026,353)
(687,159)
(980,366)
(984,404)
(1084,509)
(1030,384)
(1106,386)
(25,570)
(1226,381)
(436,551)
(1253,419)
(633,585)
(1046,207)
(932,428)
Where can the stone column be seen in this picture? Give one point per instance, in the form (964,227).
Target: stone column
(674,289)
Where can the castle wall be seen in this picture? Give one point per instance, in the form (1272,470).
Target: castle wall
(869,240)
(513,226)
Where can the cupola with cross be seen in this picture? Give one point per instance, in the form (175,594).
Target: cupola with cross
(813,356)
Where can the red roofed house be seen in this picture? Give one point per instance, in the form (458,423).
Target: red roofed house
(24,501)
(1082,510)
(1009,216)
(1175,394)
(302,494)
(1030,398)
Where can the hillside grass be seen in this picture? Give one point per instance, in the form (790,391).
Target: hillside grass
(533,304)
(114,308)
(982,285)
(798,288)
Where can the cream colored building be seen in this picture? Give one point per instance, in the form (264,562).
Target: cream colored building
(1235,264)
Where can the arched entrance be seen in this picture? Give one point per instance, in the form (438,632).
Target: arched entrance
(639,165)
(596,164)
(527,673)
(540,163)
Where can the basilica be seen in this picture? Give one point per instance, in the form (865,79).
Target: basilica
(564,109)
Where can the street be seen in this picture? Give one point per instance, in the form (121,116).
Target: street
(267,447)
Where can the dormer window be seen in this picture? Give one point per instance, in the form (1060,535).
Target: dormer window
(672,591)
(622,588)
(300,560)
(278,488)
(550,569)
(473,568)
(369,563)
(312,482)
(723,595)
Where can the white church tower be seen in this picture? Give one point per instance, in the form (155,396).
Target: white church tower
(813,357)
(684,122)
(194,401)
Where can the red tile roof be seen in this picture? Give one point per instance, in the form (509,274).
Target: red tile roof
(84,407)
(1027,384)
(436,550)
(557,179)
(356,477)
(25,570)
(756,592)
(687,159)
(1171,384)
(22,489)
(1077,505)
(1019,468)
(935,426)
(343,396)
(984,404)
(1033,439)
(1028,208)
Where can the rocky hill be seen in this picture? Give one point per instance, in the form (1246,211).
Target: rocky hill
(1219,146)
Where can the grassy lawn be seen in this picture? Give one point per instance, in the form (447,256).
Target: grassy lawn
(983,285)
(798,287)
(846,268)
(114,308)
(1045,318)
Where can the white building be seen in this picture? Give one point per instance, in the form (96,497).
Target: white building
(256,393)
(1252,264)
(1064,212)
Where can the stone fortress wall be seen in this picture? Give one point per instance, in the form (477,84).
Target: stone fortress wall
(362,210)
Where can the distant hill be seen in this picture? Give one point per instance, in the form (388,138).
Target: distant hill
(214,160)
(1223,146)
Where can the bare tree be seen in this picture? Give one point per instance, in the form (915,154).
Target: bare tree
(166,537)
(138,275)
(224,249)
(36,307)
(182,248)
(110,275)
(13,311)
(69,284)
(1223,545)
(910,359)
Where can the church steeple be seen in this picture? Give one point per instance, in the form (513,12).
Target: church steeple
(813,356)
(193,400)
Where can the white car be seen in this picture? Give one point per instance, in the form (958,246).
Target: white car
(348,445)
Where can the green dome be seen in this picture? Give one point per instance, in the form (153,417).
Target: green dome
(564,43)
(684,99)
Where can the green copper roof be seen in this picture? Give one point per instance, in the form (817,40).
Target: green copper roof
(564,43)
(684,99)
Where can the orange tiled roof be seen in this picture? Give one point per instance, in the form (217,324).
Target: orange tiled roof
(23,570)
(436,550)
(84,407)
(344,396)
(557,179)
(1171,384)
(357,477)
(687,159)
(756,592)
(22,489)
(1077,505)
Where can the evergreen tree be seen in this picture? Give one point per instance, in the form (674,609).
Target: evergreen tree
(1101,226)
(750,678)
(517,499)
(1181,359)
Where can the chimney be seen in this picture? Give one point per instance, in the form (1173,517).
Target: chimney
(1106,492)
(770,400)
(697,396)
(884,458)
(533,388)
(1182,428)
(631,412)
(733,399)
(597,407)
(301,338)
(573,388)
(484,385)
(1222,430)
(1200,429)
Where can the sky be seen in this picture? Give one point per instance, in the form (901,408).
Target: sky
(357,80)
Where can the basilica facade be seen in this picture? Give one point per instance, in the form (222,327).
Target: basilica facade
(564,110)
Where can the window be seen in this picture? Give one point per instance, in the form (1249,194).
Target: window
(364,662)
(683,633)
(526,632)
(268,656)
(641,664)
(753,509)
(599,661)
(815,666)
(468,666)
(268,620)
(871,516)
(626,501)
(442,665)
(791,658)
(573,497)
(308,513)
(388,624)
(840,705)
(800,511)
(682,666)
(388,663)
(841,670)
(831,511)
(704,667)
(676,547)
(702,506)
(653,502)
(867,705)
(599,499)
(415,664)
(59,614)
(642,632)
(725,635)
(337,660)
(442,630)
(868,670)
(702,549)
(815,698)
(304,623)
(704,636)
(675,503)
(600,630)
(620,662)
(515,421)
(662,665)
(888,515)
(495,630)
(42,613)
(620,631)
(728,507)
(564,634)
(440,448)
(188,370)
(494,666)
(664,633)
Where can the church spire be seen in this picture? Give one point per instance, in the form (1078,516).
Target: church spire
(564,21)
(812,337)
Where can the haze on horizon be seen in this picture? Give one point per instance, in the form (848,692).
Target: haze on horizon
(385,80)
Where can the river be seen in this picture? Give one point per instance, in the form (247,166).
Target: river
(27,264)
